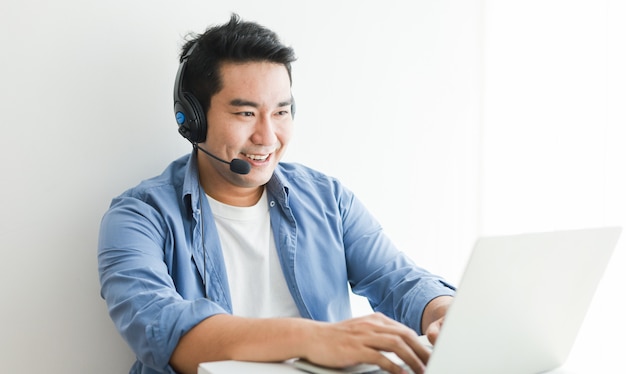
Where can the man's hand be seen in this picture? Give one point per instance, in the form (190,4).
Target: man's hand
(339,344)
(433,330)
(434,313)
(363,339)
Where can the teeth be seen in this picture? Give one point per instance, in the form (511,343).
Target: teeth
(257,157)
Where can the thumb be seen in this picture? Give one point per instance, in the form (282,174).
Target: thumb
(433,330)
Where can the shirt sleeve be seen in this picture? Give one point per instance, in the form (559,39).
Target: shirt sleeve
(136,284)
(388,278)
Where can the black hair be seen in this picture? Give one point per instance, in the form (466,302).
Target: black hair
(236,41)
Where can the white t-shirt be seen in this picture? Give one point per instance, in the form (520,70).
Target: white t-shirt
(257,284)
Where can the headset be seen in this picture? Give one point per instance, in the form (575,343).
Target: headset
(190,117)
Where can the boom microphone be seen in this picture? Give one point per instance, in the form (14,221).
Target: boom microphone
(237,165)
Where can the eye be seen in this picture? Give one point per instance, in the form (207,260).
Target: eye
(246,114)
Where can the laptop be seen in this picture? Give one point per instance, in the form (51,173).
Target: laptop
(519,305)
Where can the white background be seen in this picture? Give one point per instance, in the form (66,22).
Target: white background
(449,119)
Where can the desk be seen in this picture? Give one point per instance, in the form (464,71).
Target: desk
(236,367)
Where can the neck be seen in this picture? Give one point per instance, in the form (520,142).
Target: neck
(236,196)
(226,189)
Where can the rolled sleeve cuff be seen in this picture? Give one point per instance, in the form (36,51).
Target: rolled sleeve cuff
(421,296)
(174,322)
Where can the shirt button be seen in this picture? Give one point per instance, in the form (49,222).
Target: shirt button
(272,203)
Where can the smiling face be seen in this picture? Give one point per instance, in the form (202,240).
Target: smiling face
(250,119)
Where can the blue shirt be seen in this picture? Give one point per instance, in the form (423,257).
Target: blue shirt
(162,270)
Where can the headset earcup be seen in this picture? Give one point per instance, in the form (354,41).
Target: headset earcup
(196,119)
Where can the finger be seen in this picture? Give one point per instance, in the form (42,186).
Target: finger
(406,348)
(421,351)
(408,336)
(376,357)
(433,330)
(418,360)
(385,334)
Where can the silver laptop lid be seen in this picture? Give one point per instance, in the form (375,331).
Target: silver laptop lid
(521,302)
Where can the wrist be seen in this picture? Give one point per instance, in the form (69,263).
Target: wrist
(434,310)
(306,337)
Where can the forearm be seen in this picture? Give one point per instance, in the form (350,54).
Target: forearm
(435,310)
(227,337)
(340,344)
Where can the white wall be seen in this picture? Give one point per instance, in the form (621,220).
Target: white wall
(388,101)
(554,132)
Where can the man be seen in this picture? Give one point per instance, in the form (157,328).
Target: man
(253,261)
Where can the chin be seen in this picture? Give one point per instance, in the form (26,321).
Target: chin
(255,179)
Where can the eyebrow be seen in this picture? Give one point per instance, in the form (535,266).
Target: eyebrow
(242,102)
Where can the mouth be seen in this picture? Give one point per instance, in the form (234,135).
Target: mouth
(257,158)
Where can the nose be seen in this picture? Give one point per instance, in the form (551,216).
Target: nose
(264,131)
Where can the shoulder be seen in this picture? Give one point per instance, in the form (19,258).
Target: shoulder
(171,179)
(291,172)
(162,193)
(310,184)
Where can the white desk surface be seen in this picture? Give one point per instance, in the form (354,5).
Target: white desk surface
(236,367)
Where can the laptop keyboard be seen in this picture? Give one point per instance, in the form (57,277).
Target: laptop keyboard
(356,369)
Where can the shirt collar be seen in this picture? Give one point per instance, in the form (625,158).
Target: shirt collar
(277,187)
(191,183)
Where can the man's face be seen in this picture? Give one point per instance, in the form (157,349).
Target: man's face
(250,119)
